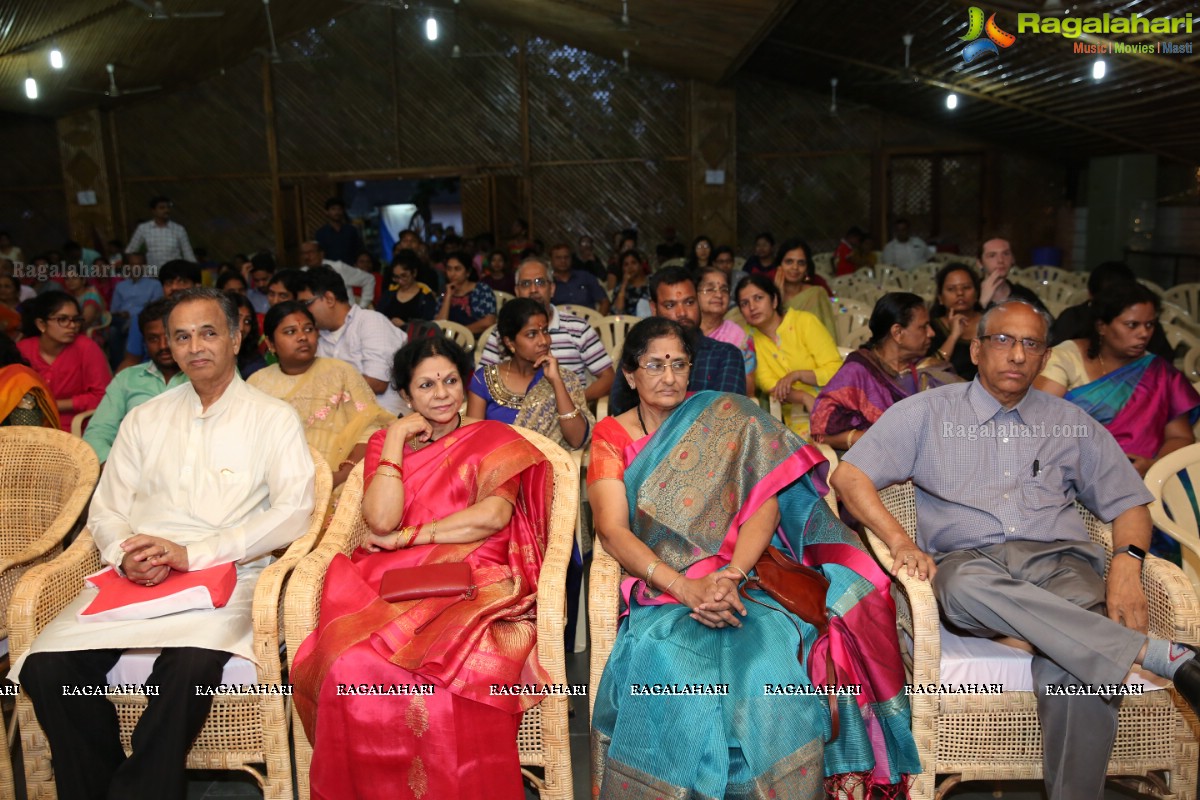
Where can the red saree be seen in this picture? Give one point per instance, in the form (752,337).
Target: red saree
(458,741)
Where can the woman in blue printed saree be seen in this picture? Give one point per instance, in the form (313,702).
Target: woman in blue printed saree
(1145,403)
(687,494)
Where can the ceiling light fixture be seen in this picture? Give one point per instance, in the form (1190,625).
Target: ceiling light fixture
(31,87)
(56,59)
(952,101)
(431,29)
(1098,69)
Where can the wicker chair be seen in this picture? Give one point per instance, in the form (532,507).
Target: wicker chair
(242,732)
(543,739)
(998,737)
(46,479)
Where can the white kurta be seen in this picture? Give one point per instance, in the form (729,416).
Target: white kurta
(232,483)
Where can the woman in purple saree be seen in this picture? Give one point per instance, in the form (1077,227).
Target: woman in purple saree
(703,696)
(884,371)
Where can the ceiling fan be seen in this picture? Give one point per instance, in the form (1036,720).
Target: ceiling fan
(273,53)
(113,90)
(157,12)
(906,75)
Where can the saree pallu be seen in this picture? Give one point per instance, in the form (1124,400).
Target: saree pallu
(1136,402)
(25,399)
(459,741)
(690,487)
(863,389)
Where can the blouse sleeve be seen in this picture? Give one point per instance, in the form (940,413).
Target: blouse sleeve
(1060,367)
(608,459)
(479,385)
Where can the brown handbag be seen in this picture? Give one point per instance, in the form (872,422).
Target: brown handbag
(428,580)
(801,590)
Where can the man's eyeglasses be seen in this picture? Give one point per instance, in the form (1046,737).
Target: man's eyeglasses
(1005,341)
(308,303)
(714,290)
(528,282)
(679,366)
(65,320)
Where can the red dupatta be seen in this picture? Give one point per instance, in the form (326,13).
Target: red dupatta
(462,646)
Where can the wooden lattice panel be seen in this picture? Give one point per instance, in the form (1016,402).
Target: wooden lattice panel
(333,95)
(601,199)
(213,127)
(584,106)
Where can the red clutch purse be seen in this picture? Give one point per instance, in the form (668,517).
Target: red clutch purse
(428,580)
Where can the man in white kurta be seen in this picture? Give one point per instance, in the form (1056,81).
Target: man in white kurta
(208,473)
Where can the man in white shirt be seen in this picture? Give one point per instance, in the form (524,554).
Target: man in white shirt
(365,339)
(905,250)
(311,255)
(209,473)
(163,239)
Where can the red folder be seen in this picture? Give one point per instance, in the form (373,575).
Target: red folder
(122,599)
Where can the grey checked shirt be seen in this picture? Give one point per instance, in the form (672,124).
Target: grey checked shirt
(973,465)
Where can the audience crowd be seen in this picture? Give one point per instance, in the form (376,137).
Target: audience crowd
(359,359)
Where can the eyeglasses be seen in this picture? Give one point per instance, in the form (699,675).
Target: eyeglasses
(678,367)
(1005,341)
(308,303)
(538,282)
(64,320)
(714,290)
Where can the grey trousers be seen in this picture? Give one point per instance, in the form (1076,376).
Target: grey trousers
(1052,596)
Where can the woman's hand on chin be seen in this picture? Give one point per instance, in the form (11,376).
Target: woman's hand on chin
(411,426)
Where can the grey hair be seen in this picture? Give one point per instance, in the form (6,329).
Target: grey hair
(223,300)
(981,329)
(535,260)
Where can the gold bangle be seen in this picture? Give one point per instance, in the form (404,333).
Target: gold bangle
(395,474)
(433,532)
(650,571)
(741,572)
(349,461)
(850,438)
(667,588)
(940,354)
(571,415)
(405,536)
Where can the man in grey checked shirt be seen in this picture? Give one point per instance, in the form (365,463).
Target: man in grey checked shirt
(163,239)
(997,468)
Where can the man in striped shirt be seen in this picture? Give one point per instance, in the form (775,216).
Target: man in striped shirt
(163,239)
(573,341)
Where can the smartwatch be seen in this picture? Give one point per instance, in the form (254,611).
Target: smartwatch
(1133,550)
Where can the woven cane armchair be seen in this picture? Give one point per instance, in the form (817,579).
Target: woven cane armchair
(46,479)
(543,739)
(248,732)
(967,737)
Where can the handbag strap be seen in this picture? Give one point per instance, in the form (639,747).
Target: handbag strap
(830,667)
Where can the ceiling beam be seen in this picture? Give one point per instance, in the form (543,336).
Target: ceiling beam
(79,24)
(782,9)
(963,89)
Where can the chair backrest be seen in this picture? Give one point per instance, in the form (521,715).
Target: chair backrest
(44,474)
(457,333)
(589,315)
(1187,297)
(823,263)
(481,344)
(502,298)
(851,323)
(672,262)
(1172,313)
(612,332)
(1174,480)
(1046,275)
(1152,286)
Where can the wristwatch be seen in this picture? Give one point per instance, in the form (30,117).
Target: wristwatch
(1133,550)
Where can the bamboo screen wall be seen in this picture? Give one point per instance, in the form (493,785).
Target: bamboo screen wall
(32,206)
(533,127)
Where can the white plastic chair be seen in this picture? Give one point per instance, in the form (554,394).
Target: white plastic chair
(612,330)
(851,323)
(457,333)
(589,315)
(1173,481)
(1187,297)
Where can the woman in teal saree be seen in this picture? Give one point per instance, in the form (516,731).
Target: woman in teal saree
(703,696)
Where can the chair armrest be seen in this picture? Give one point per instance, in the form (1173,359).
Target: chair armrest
(46,590)
(604,583)
(268,598)
(1174,610)
(552,579)
(302,602)
(917,614)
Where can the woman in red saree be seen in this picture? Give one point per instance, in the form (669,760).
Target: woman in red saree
(438,489)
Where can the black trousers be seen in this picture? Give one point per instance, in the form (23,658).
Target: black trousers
(89,762)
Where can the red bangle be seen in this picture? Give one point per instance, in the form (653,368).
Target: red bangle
(383,462)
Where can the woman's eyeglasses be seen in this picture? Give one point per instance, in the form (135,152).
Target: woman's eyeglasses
(714,290)
(65,320)
(656,368)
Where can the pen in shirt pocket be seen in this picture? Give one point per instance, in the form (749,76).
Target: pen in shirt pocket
(1037,467)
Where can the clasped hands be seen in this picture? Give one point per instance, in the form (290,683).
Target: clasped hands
(712,598)
(148,560)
